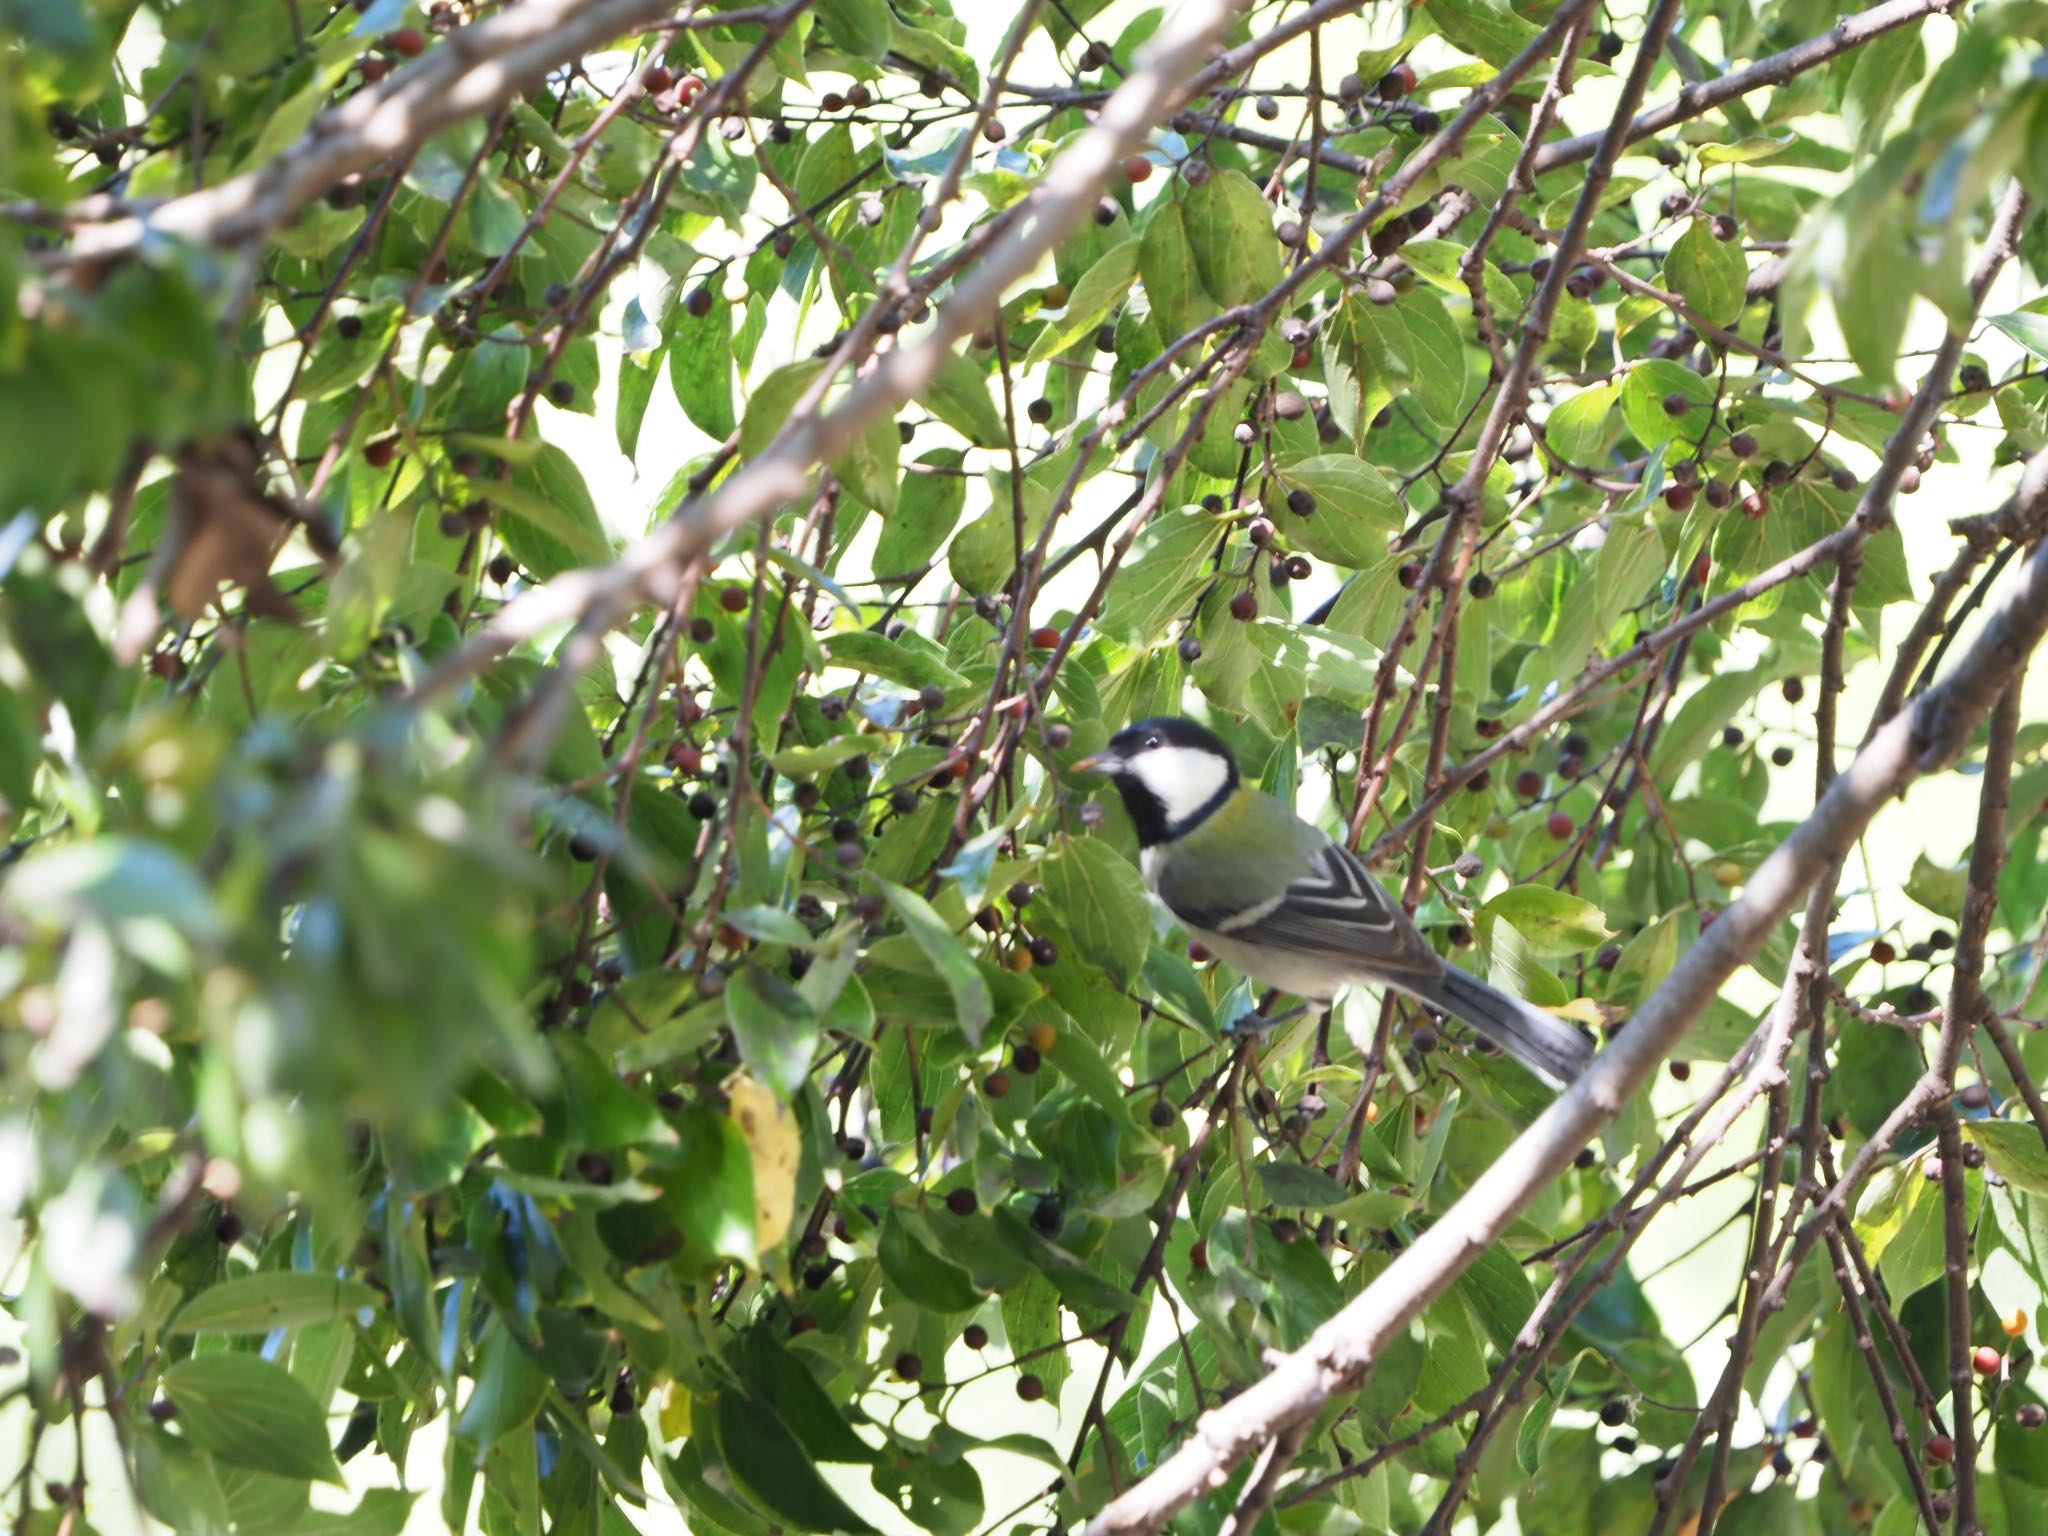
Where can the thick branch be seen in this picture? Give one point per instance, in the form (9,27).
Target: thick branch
(475,70)
(1696,100)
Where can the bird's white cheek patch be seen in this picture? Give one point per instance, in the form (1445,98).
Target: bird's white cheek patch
(1181,779)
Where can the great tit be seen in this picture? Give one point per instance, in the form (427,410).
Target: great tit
(1283,904)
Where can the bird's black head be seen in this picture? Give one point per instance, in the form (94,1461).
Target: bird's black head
(1171,772)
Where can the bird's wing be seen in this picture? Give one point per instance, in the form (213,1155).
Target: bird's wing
(1333,909)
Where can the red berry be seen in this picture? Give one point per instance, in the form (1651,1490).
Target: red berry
(409,41)
(1940,1448)
(1528,783)
(685,758)
(1244,606)
(1045,638)
(657,78)
(373,68)
(1987,1360)
(1397,82)
(1883,953)
(1030,1388)
(1137,169)
(1561,825)
(1198,952)
(733,599)
(381,452)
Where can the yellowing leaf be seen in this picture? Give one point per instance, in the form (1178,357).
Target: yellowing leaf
(769,1130)
(672,1405)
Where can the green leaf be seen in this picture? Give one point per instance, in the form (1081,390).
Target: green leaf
(1876,1066)
(773,402)
(864,28)
(379,1512)
(2016,1152)
(1356,510)
(1167,568)
(972,1005)
(1649,383)
(510,1387)
(902,660)
(1709,274)
(870,468)
(1229,228)
(550,523)
(251,1413)
(599,1111)
(1550,921)
(771,1469)
(774,1375)
(1879,71)
(1941,891)
(925,516)
(1100,290)
(776,1031)
(958,395)
(1436,351)
(1497,1289)
(919,1272)
(2030,330)
(1100,899)
(272,1299)
(1744,151)
(700,368)
(1489,29)
(1166,266)
(1535,1431)
(1298,1184)
(1585,425)
(1079,1286)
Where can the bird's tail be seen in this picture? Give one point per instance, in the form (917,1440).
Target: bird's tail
(1546,1045)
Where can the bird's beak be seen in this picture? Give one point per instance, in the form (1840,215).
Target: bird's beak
(1101,762)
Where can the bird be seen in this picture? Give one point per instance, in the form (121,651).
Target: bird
(1285,904)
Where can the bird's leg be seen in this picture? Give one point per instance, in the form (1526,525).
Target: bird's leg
(1258,1022)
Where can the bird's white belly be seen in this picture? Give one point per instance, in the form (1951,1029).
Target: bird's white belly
(1303,976)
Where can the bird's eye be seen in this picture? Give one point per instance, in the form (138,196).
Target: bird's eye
(1151,741)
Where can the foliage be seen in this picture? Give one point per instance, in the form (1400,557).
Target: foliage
(692,1057)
